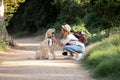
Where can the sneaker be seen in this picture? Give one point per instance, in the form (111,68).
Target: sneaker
(68,57)
(78,57)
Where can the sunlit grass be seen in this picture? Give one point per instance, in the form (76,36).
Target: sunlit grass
(3,44)
(103,60)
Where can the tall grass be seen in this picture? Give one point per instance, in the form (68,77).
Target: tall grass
(103,60)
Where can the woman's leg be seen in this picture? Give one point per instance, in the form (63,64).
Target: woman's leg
(74,48)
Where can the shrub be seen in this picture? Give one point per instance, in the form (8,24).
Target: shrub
(107,68)
(3,44)
(103,60)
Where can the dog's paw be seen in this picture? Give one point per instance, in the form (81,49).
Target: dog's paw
(33,58)
(30,58)
(50,58)
(54,58)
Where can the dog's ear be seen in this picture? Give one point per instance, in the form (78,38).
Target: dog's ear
(49,30)
(47,33)
(53,29)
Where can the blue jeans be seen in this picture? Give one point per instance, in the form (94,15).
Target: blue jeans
(75,48)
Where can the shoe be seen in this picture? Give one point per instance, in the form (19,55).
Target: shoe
(68,57)
(64,53)
(78,57)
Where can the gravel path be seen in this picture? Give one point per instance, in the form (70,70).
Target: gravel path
(17,66)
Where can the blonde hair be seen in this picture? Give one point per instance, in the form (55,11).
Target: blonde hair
(66,30)
(65,34)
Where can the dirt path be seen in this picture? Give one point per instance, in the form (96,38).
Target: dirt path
(16,66)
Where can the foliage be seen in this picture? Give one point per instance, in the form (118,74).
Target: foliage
(3,44)
(11,7)
(98,36)
(107,11)
(34,15)
(103,59)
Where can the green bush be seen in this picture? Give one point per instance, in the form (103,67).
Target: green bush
(103,60)
(116,41)
(3,44)
(34,15)
(11,7)
(107,68)
(99,35)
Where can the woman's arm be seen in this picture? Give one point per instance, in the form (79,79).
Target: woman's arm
(57,42)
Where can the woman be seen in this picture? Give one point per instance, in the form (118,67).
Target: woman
(70,42)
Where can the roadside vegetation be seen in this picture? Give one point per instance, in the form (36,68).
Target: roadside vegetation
(103,60)
(3,44)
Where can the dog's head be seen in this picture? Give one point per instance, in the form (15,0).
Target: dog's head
(50,33)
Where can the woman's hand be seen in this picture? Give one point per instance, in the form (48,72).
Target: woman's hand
(56,41)
(53,38)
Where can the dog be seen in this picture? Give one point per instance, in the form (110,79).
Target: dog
(46,47)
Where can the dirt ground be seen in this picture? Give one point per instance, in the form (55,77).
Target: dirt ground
(17,66)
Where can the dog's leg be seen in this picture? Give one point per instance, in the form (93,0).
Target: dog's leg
(49,55)
(52,51)
(53,54)
(41,56)
(38,55)
(45,55)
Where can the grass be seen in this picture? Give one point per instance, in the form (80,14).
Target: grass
(103,60)
(99,35)
(3,44)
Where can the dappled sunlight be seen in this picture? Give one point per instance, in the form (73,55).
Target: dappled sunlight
(28,44)
(44,69)
(41,63)
(47,76)
(22,50)
(38,75)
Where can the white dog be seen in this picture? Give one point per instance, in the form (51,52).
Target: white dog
(46,47)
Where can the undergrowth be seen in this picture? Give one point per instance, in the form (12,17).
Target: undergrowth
(103,60)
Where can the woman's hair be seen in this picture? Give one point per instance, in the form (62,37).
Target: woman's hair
(65,33)
(66,28)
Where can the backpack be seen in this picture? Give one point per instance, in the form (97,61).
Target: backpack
(81,36)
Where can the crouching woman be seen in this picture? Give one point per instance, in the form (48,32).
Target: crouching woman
(70,42)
